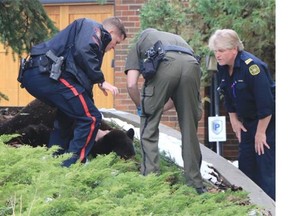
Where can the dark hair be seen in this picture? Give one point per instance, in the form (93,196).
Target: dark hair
(116,22)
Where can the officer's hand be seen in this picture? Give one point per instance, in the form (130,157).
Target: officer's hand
(107,86)
(237,127)
(101,133)
(260,143)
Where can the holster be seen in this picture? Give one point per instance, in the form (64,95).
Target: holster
(154,56)
(55,71)
(22,68)
(48,63)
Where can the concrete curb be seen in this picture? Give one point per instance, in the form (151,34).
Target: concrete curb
(233,175)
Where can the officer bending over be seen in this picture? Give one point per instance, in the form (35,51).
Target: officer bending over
(249,94)
(62,71)
(172,75)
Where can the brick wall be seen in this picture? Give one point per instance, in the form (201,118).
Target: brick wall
(128,12)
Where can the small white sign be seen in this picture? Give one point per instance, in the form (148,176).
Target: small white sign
(217,128)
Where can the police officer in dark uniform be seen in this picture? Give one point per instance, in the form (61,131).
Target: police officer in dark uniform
(172,78)
(62,71)
(249,93)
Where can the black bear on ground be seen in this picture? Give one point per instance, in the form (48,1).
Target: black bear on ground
(116,141)
(34,123)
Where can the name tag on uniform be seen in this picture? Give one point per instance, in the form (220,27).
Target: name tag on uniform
(217,128)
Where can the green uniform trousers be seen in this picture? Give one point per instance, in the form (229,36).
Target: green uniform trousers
(178,77)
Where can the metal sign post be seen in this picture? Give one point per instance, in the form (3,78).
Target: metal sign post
(217,124)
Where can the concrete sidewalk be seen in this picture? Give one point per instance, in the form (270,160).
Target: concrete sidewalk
(233,175)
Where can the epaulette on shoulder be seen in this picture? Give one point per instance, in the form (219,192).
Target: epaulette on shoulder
(248,61)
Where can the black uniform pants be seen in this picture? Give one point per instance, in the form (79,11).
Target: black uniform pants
(259,168)
(77,120)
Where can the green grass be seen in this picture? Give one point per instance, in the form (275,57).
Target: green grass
(32,182)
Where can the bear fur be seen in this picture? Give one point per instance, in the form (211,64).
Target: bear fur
(116,141)
(34,124)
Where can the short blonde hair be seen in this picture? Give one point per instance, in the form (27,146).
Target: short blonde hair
(117,23)
(225,39)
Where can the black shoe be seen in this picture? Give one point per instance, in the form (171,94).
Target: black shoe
(201,190)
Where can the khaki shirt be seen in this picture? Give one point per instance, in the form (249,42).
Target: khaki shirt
(146,40)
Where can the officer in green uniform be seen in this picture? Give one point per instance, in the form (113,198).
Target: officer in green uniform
(176,82)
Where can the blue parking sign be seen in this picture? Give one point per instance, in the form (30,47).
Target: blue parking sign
(217,128)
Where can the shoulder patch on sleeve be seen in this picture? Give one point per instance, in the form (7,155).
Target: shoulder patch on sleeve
(248,61)
(254,69)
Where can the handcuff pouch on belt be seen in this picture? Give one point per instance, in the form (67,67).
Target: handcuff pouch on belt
(154,56)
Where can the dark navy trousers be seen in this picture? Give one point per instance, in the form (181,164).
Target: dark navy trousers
(259,168)
(77,119)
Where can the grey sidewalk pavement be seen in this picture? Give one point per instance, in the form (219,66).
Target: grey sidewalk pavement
(232,174)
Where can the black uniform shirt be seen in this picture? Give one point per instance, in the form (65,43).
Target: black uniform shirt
(82,43)
(248,91)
